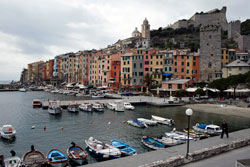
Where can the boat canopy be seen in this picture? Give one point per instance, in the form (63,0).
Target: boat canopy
(202,126)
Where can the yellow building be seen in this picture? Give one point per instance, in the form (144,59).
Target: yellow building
(224,56)
(156,66)
(33,71)
(126,69)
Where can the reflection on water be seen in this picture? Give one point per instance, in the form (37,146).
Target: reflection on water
(16,109)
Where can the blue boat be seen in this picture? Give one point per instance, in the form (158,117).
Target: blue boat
(152,143)
(124,148)
(57,158)
(137,123)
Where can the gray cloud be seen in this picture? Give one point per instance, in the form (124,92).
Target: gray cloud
(39,30)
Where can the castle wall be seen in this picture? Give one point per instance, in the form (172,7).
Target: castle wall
(234,28)
(244,42)
(210,53)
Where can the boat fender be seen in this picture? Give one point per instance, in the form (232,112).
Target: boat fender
(44,128)
(124,122)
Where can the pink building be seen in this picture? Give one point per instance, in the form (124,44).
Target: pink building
(177,84)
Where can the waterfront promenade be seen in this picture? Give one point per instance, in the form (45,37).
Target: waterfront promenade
(176,155)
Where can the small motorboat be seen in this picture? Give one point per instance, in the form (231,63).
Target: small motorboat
(37,103)
(178,135)
(77,154)
(124,148)
(73,108)
(102,150)
(57,158)
(168,142)
(55,91)
(116,105)
(162,120)
(137,123)
(85,107)
(13,161)
(34,158)
(152,143)
(8,132)
(147,121)
(128,106)
(54,107)
(196,134)
(22,90)
(209,129)
(97,95)
(97,106)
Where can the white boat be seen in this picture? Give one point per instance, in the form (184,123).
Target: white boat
(178,135)
(54,107)
(22,90)
(85,107)
(97,95)
(101,149)
(128,106)
(55,91)
(147,121)
(162,120)
(13,161)
(170,141)
(209,129)
(73,108)
(117,105)
(97,106)
(8,132)
(137,123)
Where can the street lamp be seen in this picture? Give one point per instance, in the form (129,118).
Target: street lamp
(189,112)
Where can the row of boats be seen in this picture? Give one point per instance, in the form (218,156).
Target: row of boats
(55,106)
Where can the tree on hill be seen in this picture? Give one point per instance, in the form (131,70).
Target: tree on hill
(245,27)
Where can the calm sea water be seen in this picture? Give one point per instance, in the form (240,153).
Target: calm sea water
(16,109)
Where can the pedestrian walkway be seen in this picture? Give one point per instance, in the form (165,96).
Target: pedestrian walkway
(160,156)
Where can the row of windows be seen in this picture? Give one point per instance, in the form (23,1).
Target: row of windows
(182,70)
(182,63)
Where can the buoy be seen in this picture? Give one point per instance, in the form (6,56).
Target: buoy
(44,128)
(109,123)
(124,122)
(62,128)
(33,127)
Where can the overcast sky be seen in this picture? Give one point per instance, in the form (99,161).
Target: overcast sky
(33,30)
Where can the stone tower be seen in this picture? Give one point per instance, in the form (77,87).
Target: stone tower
(145,29)
(234,29)
(210,53)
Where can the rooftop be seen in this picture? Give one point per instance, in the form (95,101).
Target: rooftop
(238,63)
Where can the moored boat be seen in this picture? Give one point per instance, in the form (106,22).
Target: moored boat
(167,141)
(22,90)
(34,158)
(37,103)
(162,120)
(136,123)
(54,107)
(209,129)
(178,135)
(85,107)
(102,150)
(128,106)
(8,132)
(97,95)
(73,108)
(147,121)
(124,148)
(97,106)
(57,158)
(152,143)
(77,154)
(116,105)
(13,161)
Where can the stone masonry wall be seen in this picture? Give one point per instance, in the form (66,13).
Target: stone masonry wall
(210,52)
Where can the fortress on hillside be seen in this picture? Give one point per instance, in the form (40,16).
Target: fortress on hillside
(215,16)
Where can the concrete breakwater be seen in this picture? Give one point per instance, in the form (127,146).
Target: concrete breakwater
(155,101)
(176,156)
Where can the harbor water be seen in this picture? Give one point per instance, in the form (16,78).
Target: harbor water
(16,109)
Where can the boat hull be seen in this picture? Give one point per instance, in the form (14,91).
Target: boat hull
(54,111)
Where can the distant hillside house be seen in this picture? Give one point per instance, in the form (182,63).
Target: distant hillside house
(235,68)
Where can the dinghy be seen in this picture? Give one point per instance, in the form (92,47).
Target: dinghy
(13,161)
(34,158)
(124,148)
(209,129)
(8,132)
(137,123)
(77,154)
(102,150)
(152,143)
(147,121)
(162,120)
(57,158)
